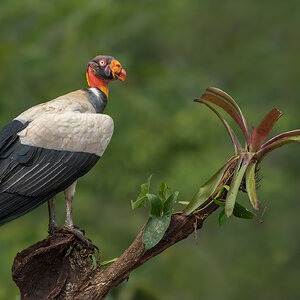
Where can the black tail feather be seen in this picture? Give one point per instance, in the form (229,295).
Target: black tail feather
(13,206)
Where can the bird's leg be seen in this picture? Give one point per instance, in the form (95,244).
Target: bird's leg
(52,220)
(69,195)
(69,226)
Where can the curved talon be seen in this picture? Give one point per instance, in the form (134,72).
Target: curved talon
(80,229)
(78,232)
(52,229)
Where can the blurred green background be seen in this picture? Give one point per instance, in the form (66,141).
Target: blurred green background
(172,51)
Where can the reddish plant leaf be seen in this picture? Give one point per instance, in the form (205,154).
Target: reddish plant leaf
(252,134)
(276,144)
(262,131)
(237,146)
(229,109)
(291,133)
(228,98)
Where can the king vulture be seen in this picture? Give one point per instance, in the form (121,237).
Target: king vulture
(48,147)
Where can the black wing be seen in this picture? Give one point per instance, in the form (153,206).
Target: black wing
(31,175)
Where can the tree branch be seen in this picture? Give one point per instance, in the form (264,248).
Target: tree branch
(104,281)
(58,267)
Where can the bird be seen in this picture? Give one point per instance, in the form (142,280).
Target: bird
(45,149)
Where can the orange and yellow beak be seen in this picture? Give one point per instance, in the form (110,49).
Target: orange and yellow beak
(117,71)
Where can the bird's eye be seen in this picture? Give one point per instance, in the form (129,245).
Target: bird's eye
(102,62)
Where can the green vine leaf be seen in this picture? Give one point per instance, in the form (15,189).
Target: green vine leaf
(141,199)
(156,204)
(222,217)
(155,230)
(169,203)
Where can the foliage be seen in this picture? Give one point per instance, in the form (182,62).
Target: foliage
(256,148)
(239,210)
(171,51)
(160,213)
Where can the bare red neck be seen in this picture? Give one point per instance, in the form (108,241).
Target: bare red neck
(94,81)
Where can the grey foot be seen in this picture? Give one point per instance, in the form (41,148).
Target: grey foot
(80,229)
(52,228)
(79,233)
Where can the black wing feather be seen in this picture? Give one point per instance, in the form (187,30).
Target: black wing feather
(8,136)
(31,175)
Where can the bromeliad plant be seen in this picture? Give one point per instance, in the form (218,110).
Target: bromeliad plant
(244,165)
(245,158)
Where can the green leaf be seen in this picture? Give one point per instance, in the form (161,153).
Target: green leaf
(222,217)
(242,212)
(250,185)
(207,189)
(162,191)
(155,230)
(141,199)
(169,203)
(156,204)
(240,170)
(238,211)
(140,202)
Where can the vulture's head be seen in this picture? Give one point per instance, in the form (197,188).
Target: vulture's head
(103,69)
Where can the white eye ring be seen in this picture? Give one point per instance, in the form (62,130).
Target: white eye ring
(102,62)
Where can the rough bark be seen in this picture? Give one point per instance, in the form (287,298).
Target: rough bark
(58,267)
